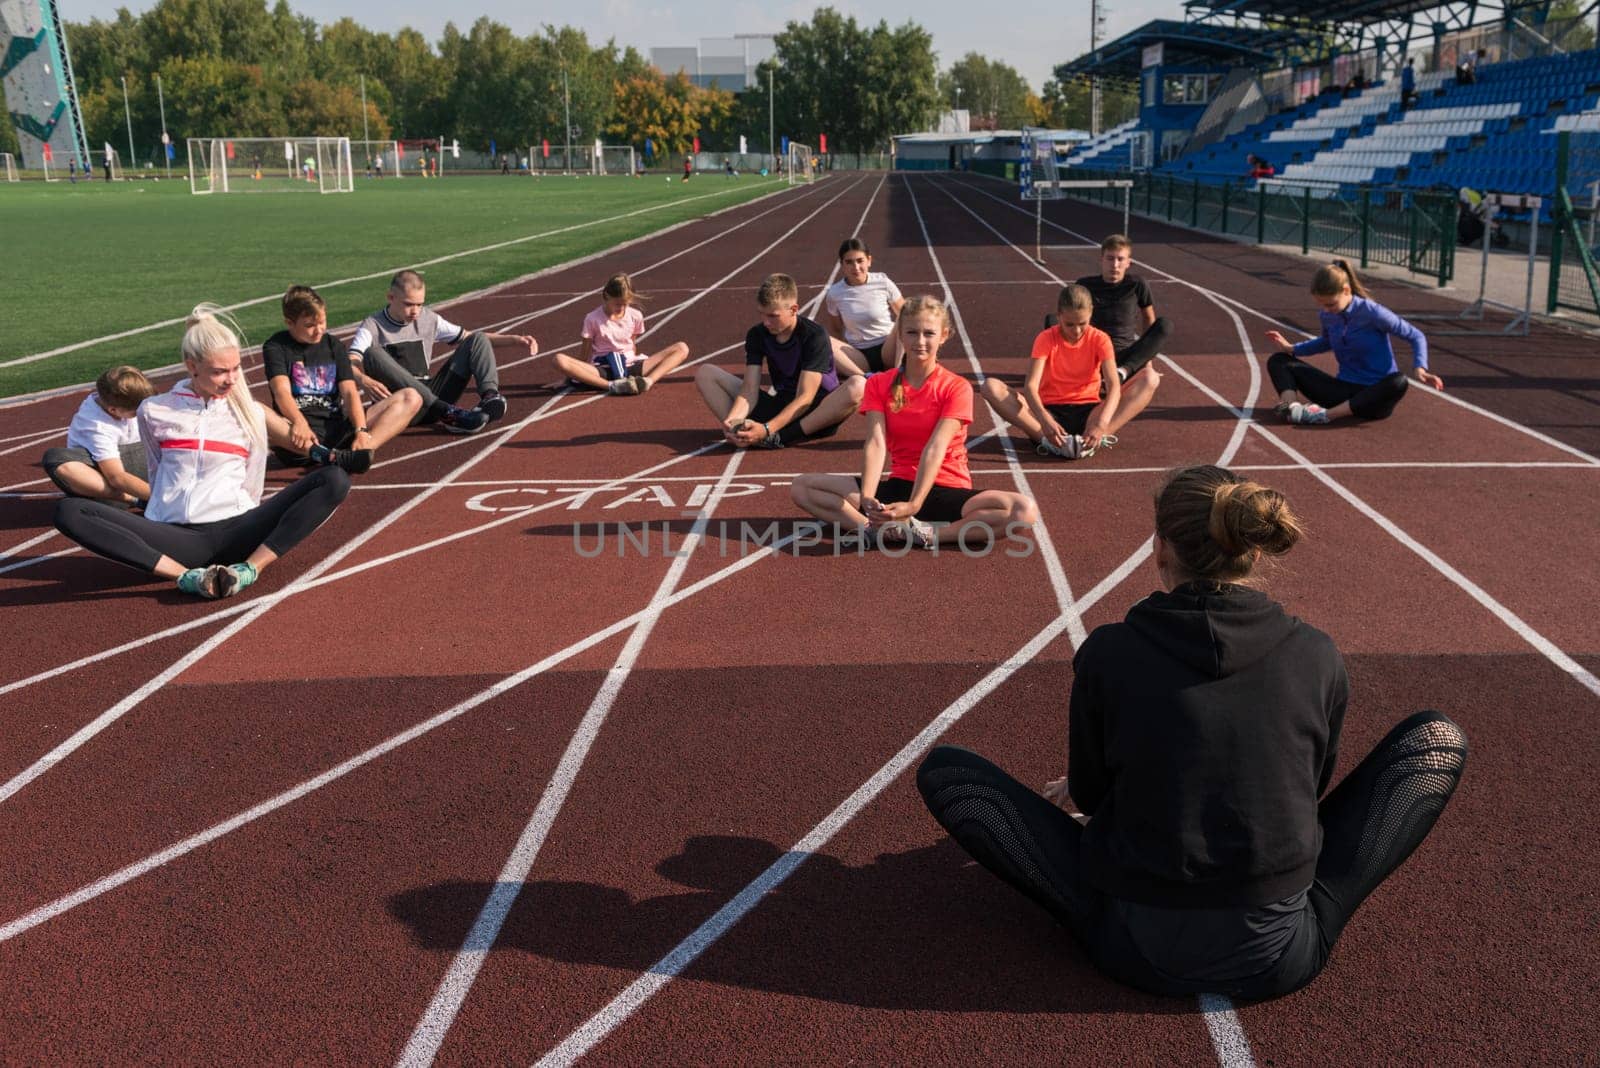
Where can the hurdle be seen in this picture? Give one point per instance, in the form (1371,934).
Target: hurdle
(1064,186)
(1522,318)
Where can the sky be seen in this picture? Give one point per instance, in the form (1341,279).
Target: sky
(1032,36)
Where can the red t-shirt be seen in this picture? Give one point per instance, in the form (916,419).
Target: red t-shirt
(1072,372)
(945,395)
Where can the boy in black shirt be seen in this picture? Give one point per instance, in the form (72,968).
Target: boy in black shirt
(313,386)
(807,399)
(1124,309)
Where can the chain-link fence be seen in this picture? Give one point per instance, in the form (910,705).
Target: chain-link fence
(1573,251)
(1402,228)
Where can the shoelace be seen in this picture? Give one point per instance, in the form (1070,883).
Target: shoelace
(1106,442)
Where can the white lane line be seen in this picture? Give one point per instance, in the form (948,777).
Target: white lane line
(441,1013)
(1515,623)
(1047,550)
(429,1034)
(34,441)
(1227,1033)
(7,554)
(641,990)
(1240,305)
(89,730)
(385,273)
(20,564)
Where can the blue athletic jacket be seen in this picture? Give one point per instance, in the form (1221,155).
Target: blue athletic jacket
(1359,338)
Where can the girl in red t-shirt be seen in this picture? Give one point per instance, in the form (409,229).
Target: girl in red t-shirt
(917,420)
(1073,403)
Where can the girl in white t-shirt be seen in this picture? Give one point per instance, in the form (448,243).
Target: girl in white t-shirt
(104,459)
(860,311)
(610,359)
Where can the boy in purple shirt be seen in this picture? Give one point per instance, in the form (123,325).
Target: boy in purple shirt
(806,400)
(1357,329)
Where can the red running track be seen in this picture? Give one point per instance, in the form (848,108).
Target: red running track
(264,831)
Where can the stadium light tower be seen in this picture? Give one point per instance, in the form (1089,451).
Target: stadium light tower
(1097,22)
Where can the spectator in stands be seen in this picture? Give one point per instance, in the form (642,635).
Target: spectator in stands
(1259,168)
(1357,329)
(1467,69)
(808,401)
(104,458)
(1408,83)
(205,524)
(1202,731)
(392,350)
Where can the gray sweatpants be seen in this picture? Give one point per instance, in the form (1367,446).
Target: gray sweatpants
(472,361)
(134,461)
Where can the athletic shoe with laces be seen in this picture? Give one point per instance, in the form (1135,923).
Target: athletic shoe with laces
(1070,451)
(921,534)
(771,441)
(857,540)
(463,420)
(1106,442)
(354,461)
(624,387)
(642,382)
(1307,414)
(493,405)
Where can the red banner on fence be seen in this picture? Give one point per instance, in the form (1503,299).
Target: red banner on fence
(48,155)
(822,143)
(230,149)
(697,145)
(546,149)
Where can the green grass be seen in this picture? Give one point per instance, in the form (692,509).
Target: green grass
(88,260)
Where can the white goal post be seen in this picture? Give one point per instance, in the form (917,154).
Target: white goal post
(9,163)
(379,159)
(613,159)
(270,165)
(799,164)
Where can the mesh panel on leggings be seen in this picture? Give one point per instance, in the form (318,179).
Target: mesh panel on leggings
(988,825)
(1408,796)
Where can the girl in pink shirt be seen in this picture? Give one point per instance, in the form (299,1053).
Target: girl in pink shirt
(917,417)
(610,359)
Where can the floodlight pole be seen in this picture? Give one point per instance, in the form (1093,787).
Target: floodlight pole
(128,114)
(166,141)
(772,141)
(365,136)
(566,110)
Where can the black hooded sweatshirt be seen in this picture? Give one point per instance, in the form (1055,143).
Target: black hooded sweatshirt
(1203,729)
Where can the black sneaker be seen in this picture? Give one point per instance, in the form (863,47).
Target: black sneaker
(493,405)
(463,420)
(354,461)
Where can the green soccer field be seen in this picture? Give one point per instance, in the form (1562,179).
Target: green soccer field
(87,261)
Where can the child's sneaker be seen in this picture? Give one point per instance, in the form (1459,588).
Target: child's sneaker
(463,421)
(624,387)
(920,534)
(493,405)
(1070,451)
(641,382)
(354,461)
(1307,414)
(1106,442)
(857,540)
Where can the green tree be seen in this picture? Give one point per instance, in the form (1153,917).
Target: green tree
(994,93)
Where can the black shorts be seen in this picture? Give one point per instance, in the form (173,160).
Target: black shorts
(874,355)
(768,405)
(1072,417)
(943,503)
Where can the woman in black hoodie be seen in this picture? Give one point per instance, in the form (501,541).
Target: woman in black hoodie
(1203,730)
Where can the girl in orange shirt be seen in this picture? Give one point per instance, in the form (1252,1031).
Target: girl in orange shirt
(1073,403)
(917,418)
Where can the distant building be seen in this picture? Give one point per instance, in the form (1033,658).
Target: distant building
(717,62)
(990,151)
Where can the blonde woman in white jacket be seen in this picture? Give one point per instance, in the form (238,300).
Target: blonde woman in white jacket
(206,440)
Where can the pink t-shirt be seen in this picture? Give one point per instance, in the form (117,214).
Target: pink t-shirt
(606,334)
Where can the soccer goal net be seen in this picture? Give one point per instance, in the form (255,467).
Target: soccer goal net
(9,163)
(612,159)
(801,164)
(381,159)
(270,165)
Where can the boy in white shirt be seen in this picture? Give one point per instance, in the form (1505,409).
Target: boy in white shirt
(104,459)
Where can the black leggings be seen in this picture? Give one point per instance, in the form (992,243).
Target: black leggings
(1376,401)
(280,523)
(1371,823)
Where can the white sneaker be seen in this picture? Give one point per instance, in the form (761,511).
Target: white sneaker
(1307,414)
(1106,442)
(1070,451)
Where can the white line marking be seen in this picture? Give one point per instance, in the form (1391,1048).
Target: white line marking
(6,554)
(20,564)
(34,441)
(430,1032)
(441,1013)
(358,278)
(1227,1033)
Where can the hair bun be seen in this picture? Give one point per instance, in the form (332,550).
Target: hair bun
(1247,517)
(201,313)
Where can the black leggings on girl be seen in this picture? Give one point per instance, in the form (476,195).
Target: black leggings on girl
(1376,401)
(280,523)
(1371,823)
